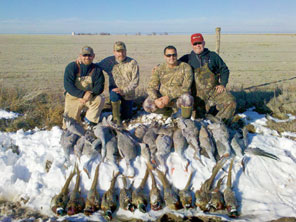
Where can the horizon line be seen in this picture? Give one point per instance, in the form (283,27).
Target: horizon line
(153,33)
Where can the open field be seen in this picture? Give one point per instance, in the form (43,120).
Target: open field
(32,69)
(38,61)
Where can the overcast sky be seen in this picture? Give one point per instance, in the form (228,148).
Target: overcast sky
(146,16)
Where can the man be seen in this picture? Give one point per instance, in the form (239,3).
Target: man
(123,75)
(210,79)
(169,86)
(84,83)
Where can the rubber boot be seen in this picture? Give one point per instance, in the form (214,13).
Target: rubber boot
(186,111)
(116,112)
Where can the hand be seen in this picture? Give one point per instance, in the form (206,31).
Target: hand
(87,96)
(220,89)
(118,91)
(162,102)
(158,102)
(165,100)
(82,101)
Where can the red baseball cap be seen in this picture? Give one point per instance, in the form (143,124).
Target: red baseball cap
(197,37)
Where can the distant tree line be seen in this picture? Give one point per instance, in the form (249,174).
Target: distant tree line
(154,33)
(85,33)
(107,33)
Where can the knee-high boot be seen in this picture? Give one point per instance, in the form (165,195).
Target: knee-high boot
(116,112)
(186,111)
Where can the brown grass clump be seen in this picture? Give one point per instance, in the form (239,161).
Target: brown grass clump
(283,104)
(285,219)
(10,99)
(281,127)
(17,211)
(37,109)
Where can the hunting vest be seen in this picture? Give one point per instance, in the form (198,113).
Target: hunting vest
(84,82)
(205,80)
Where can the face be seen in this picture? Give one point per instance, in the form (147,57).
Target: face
(170,56)
(120,55)
(198,47)
(87,59)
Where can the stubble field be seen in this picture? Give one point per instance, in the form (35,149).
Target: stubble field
(262,71)
(38,61)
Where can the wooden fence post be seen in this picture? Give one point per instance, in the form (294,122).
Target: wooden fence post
(218,31)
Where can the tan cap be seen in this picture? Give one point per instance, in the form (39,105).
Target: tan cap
(86,50)
(119,46)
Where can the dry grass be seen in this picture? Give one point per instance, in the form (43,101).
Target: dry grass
(17,211)
(45,110)
(283,104)
(281,127)
(37,109)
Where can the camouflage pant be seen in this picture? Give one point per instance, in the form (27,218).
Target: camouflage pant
(173,106)
(225,104)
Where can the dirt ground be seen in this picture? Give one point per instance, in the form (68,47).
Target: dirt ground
(38,61)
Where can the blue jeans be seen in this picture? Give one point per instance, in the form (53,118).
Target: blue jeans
(126,108)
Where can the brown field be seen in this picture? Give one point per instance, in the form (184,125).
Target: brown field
(38,61)
(262,71)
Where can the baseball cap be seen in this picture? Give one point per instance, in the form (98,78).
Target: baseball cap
(197,37)
(119,46)
(86,50)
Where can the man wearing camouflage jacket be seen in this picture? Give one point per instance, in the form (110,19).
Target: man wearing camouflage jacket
(210,79)
(123,75)
(169,86)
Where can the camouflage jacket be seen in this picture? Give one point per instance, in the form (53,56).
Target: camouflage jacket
(171,82)
(123,75)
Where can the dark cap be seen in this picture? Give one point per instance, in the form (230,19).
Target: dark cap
(197,37)
(86,50)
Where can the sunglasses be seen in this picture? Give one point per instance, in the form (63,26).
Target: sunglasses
(171,55)
(197,43)
(87,55)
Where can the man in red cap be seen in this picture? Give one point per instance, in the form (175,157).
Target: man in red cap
(210,79)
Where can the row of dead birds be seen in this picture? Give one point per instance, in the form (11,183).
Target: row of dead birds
(155,142)
(207,198)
